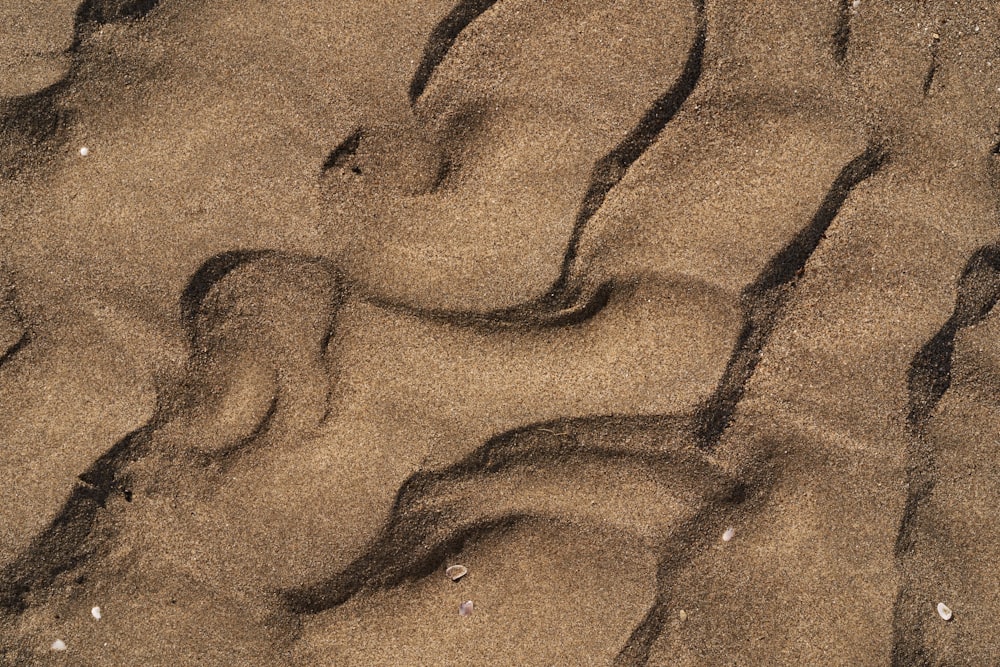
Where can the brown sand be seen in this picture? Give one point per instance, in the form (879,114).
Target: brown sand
(347,292)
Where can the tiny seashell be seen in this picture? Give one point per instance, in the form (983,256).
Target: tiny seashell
(58,645)
(683,615)
(729,534)
(96,613)
(465,609)
(84,151)
(944,611)
(456,572)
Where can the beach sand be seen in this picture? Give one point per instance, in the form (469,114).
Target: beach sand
(671,322)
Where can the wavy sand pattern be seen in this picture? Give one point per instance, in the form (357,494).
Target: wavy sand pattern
(343,293)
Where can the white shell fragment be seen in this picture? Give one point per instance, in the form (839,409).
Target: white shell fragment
(944,611)
(96,613)
(84,151)
(456,572)
(729,534)
(58,645)
(683,615)
(465,609)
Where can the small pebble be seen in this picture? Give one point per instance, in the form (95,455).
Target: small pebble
(456,572)
(84,151)
(729,534)
(465,609)
(96,613)
(944,611)
(683,615)
(58,645)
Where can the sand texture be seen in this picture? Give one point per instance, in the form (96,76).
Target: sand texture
(672,322)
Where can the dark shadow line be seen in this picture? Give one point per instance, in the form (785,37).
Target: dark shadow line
(429,517)
(687,542)
(932,69)
(560,305)
(339,156)
(207,276)
(442,38)
(842,33)
(610,169)
(30,124)
(37,121)
(414,556)
(94,13)
(764,299)
(535,314)
(928,380)
(929,77)
(64,544)
(12,351)
(224,459)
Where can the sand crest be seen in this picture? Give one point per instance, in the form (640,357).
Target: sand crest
(671,323)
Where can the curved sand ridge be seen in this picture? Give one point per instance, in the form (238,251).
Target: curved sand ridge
(577,287)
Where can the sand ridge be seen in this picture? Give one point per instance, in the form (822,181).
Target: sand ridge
(343,294)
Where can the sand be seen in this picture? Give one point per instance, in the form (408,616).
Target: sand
(343,293)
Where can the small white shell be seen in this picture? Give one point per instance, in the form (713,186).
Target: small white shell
(729,534)
(456,572)
(465,609)
(683,615)
(58,645)
(84,151)
(96,613)
(944,611)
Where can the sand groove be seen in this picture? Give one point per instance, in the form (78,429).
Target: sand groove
(435,512)
(564,301)
(441,39)
(929,378)
(764,299)
(65,545)
(610,169)
(82,530)
(18,345)
(842,34)
(323,436)
(32,125)
(18,335)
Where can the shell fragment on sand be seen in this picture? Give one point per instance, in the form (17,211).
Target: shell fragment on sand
(944,611)
(84,152)
(729,534)
(58,645)
(96,613)
(465,609)
(682,615)
(456,572)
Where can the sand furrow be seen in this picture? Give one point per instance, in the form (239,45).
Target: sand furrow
(674,323)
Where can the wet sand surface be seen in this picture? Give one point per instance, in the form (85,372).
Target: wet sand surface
(672,322)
